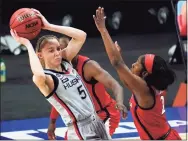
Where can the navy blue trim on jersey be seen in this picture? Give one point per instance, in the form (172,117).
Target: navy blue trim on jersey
(66,61)
(63,68)
(149,108)
(72,115)
(165,135)
(107,115)
(93,80)
(88,93)
(147,132)
(143,127)
(54,71)
(93,83)
(56,83)
(96,97)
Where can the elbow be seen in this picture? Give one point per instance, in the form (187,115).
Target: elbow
(83,36)
(116,63)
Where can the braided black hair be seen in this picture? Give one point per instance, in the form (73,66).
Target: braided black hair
(162,76)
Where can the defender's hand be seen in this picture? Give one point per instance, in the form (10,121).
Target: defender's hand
(99,19)
(51,131)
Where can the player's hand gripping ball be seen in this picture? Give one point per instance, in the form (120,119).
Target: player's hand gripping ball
(26,23)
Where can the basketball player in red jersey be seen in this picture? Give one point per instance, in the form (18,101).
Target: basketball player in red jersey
(148,76)
(95,79)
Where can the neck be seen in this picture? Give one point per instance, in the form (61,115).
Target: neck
(56,68)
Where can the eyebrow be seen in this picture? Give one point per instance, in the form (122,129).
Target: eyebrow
(53,47)
(50,48)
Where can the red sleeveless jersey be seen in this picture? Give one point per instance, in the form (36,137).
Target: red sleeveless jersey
(151,122)
(97,90)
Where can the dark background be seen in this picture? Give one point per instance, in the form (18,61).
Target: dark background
(139,33)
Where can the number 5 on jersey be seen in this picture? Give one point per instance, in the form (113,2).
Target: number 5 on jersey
(81,92)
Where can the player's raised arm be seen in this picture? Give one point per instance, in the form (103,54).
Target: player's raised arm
(78,37)
(35,64)
(136,84)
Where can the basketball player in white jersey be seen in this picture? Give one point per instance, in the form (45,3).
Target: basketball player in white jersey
(60,83)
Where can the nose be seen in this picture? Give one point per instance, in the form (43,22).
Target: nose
(57,53)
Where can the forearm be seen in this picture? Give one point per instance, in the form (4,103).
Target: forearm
(113,54)
(35,64)
(77,34)
(117,91)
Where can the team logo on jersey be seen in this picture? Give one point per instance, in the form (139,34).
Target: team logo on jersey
(67,83)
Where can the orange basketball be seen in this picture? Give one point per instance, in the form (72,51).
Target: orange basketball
(26,23)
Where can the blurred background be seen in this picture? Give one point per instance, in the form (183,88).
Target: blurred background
(139,27)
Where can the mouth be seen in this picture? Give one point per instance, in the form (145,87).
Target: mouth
(58,59)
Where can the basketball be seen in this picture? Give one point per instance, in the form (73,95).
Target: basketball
(26,23)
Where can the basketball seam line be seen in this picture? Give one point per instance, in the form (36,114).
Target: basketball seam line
(26,22)
(28,32)
(15,17)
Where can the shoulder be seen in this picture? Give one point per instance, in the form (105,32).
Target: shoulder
(82,57)
(91,64)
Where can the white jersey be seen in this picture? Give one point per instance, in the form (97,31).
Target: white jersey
(70,97)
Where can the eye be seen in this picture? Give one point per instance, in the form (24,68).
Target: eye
(51,50)
(58,48)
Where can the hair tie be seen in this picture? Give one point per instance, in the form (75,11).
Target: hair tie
(149,59)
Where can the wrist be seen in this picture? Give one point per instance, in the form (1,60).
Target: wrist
(103,31)
(27,44)
(52,121)
(119,100)
(49,26)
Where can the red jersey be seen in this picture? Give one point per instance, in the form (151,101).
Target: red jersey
(97,90)
(151,122)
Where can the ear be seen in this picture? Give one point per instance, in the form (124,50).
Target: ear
(144,74)
(39,54)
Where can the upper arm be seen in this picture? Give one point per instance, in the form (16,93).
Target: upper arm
(73,48)
(41,84)
(98,73)
(39,80)
(136,84)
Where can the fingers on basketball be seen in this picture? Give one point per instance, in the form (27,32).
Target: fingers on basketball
(38,12)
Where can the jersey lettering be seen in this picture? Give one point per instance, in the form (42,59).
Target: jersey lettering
(69,83)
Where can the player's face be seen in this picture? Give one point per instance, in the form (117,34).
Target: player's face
(51,53)
(137,67)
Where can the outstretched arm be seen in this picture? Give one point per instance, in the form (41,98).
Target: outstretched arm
(38,74)
(78,37)
(135,83)
(93,70)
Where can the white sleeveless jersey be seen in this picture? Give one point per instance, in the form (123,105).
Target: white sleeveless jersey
(70,97)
